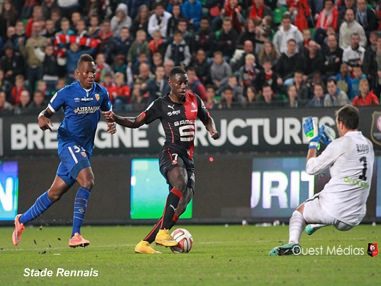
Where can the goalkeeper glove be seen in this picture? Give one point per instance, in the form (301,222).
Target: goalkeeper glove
(311,132)
(327,134)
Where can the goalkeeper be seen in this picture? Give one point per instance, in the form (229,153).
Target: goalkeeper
(342,202)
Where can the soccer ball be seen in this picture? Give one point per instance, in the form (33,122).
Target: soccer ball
(185,240)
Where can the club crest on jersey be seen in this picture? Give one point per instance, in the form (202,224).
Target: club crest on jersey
(97,96)
(83,154)
(375,130)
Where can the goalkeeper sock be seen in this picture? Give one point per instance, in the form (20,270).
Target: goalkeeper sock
(297,224)
(80,206)
(169,216)
(42,203)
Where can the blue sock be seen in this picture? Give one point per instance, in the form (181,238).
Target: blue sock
(42,204)
(80,205)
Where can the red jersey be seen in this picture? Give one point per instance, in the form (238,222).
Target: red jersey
(178,120)
(369,99)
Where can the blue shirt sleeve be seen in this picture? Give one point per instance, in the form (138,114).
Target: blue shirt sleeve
(106,103)
(57,101)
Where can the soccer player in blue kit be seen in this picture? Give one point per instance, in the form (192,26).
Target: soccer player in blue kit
(82,102)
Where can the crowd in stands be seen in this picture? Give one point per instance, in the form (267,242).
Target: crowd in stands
(237,53)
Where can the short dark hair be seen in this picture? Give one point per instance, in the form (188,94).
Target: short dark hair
(85,58)
(176,70)
(349,116)
(331,79)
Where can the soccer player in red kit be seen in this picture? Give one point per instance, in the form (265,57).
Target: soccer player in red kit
(177,112)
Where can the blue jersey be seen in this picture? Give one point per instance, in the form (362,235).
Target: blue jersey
(82,110)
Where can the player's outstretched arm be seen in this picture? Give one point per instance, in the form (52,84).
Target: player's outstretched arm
(44,119)
(211,127)
(130,122)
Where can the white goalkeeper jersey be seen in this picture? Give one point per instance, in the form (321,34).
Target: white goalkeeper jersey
(350,159)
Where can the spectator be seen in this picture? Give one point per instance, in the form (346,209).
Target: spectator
(157,60)
(238,59)
(168,66)
(314,61)
(292,96)
(354,54)
(249,34)
(268,53)
(219,70)
(159,20)
(5,85)
(11,63)
(107,42)
(335,96)
(348,28)
(140,45)
(249,73)
(250,96)
(328,17)
(318,96)
(157,44)
(286,32)
(123,42)
(366,97)
(143,77)
(269,98)
(38,103)
(192,11)
(188,35)
(158,86)
(24,105)
(225,40)
(300,11)
(50,29)
(366,17)
(232,9)
(121,19)
(270,77)
(141,21)
(201,65)
(258,11)
(227,98)
(17,89)
(302,88)
(332,54)
(102,68)
(121,94)
(178,51)
(33,54)
(119,65)
(174,20)
(8,16)
(372,59)
(203,38)
(195,84)
(5,106)
(290,61)
(357,76)
(93,29)
(47,7)
(37,16)
(211,101)
(50,67)
(343,79)
(80,28)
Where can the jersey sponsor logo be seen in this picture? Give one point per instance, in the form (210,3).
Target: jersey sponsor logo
(174,112)
(86,109)
(183,122)
(77,99)
(86,99)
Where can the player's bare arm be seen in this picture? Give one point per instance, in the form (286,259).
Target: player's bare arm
(129,122)
(44,119)
(211,127)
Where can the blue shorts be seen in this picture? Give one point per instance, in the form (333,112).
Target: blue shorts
(73,159)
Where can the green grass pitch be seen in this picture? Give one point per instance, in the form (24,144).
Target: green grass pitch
(221,255)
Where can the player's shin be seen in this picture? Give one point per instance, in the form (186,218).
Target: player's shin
(169,215)
(297,224)
(80,206)
(42,203)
